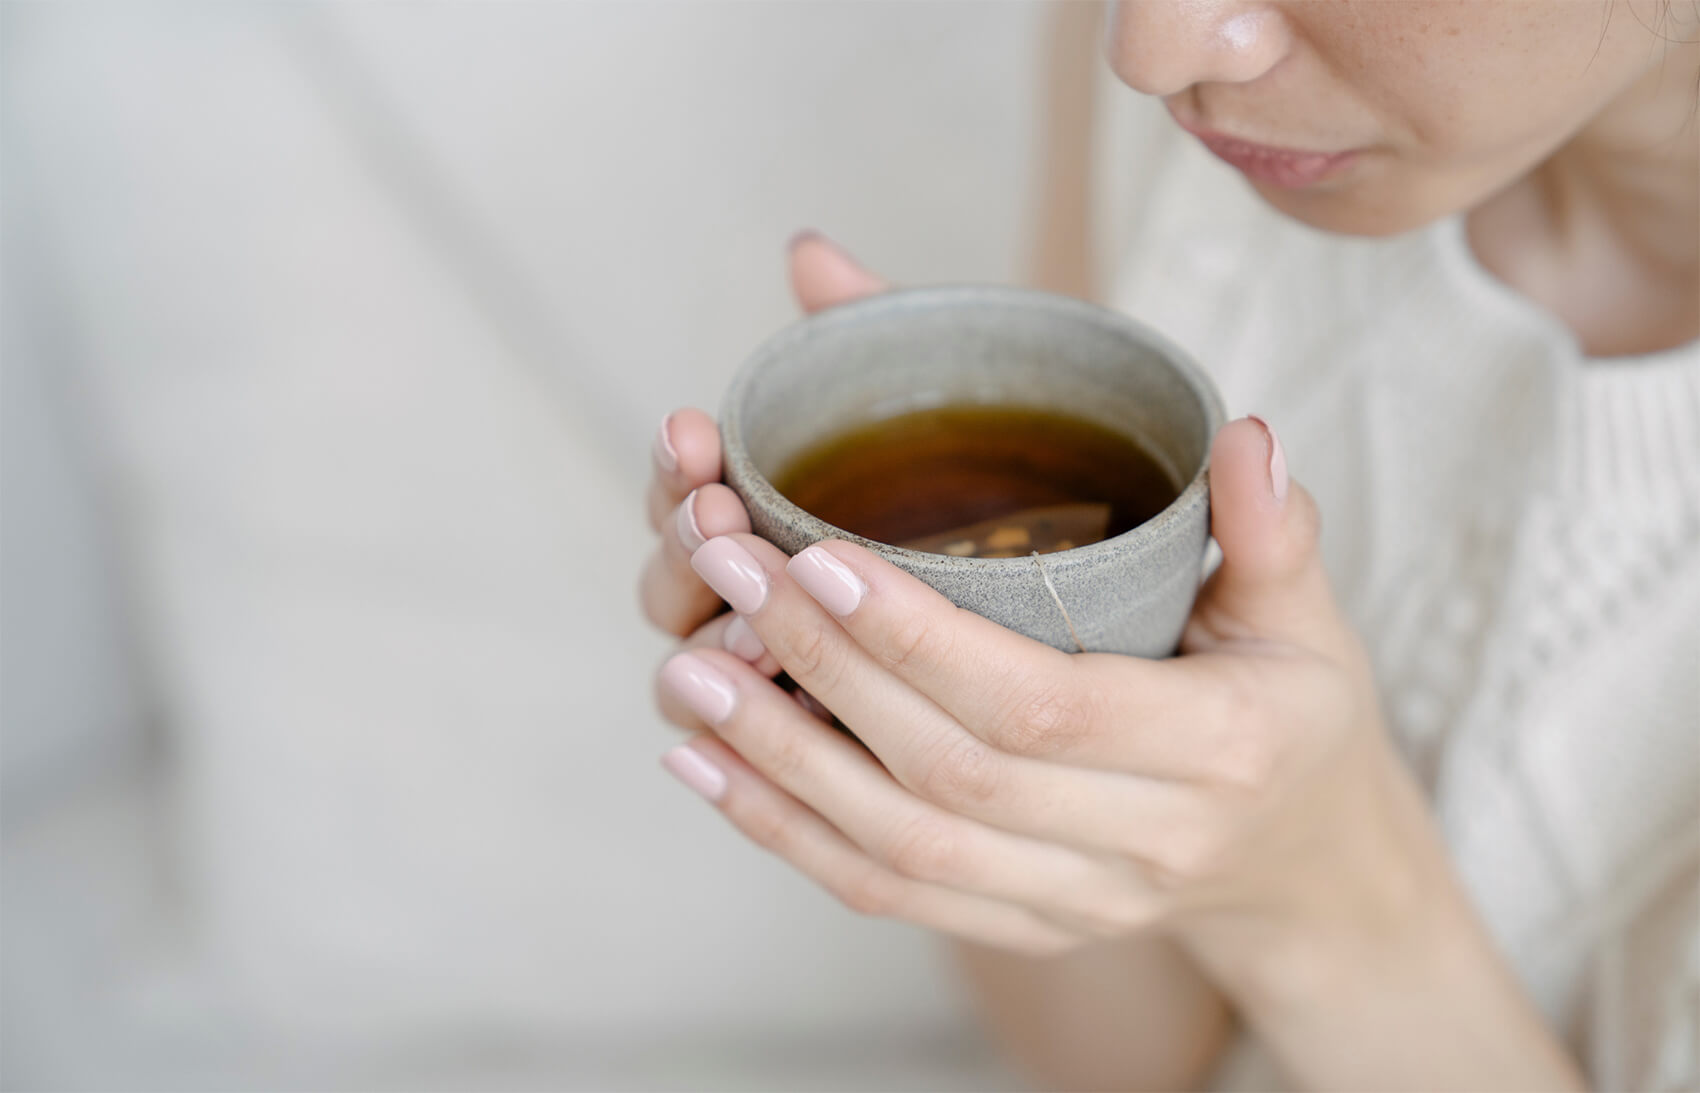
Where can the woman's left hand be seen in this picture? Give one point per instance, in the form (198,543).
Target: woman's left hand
(1242,795)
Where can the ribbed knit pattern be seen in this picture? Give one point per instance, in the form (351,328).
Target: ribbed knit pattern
(1515,529)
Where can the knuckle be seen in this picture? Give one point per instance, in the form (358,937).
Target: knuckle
(1190,858)
(967,771)
(1040,720)
(1117,902)
(1307,521)
(655,505)
(1164,879)
(922,850)
(1249,738)
(1298,549)
(1236,724)
(867,892)
(651,595)
(813,657)
(786,757)
(767,829)
(665,605)
(1118,918)
(1246,761)
(1238,701)
(915,639)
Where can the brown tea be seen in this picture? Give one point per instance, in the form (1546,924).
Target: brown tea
(981,481)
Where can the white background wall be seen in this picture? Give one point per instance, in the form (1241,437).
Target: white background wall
(333,342)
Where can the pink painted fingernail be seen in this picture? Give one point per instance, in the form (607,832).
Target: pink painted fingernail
(733,572)
(818,236)
(1277,460)
(666,457)
(828,580)
(702,687)
(742,641)
(695,769)
(689,533)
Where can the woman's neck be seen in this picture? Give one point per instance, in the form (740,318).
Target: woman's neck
(1605,234)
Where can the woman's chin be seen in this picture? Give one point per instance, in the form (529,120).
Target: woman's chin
(1355,205)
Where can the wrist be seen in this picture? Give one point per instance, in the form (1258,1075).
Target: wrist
(1383,895)
(1373,990)
(1310,960)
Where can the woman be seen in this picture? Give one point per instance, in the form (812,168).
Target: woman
(1416,804)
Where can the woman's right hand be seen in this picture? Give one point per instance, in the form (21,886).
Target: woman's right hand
(688,504)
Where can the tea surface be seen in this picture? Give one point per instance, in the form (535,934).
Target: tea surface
(983,480)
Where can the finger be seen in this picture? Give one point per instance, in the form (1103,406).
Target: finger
(675,712)
(684,455)
(778,822)
(1024,698)
(674,598)
(731,633)
(929,752)
(851,791)
(1271,584)
(824,275)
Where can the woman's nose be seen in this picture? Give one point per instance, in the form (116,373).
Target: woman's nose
(1160,47)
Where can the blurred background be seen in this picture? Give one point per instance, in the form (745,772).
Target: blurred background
(334,337)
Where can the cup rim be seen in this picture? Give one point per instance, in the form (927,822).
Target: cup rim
(931,297)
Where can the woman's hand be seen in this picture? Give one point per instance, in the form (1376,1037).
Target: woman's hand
(1015,794)
(1053,798)
(1242,797)
(687,504)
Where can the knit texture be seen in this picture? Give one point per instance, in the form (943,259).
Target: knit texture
(1515,530)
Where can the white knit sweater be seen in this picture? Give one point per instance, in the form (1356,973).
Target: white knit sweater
(1515,530)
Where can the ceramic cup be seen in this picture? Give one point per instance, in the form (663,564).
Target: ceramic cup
(923,347)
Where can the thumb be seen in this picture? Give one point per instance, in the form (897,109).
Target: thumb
(824,275)
(1271,583)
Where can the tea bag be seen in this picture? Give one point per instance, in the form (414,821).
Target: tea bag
(1027,531)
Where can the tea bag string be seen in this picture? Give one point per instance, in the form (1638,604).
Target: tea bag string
(1052,589)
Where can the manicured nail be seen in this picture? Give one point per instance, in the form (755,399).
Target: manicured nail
(822,238)
(828,580)
(693,768)
(812,704)
(742,641)
(1277,461)
(731,571)
(665,456)
(689,533)
(699,685)
(803,236)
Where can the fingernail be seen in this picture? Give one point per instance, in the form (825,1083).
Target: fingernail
(1277,460)
(731,571)
(822,238)
(693,768)
(742,641)
(689,533)
(828,580)
(812,704)
(665,456)
(803,236)
(707,691)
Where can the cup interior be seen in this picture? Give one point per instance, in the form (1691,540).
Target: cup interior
(919,348)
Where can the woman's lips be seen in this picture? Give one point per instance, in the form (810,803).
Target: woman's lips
(1278,166)
(1289,168)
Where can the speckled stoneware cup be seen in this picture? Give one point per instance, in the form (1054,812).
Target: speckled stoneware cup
(924,347)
